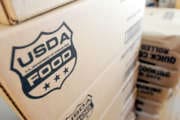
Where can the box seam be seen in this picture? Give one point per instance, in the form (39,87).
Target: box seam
(13,102)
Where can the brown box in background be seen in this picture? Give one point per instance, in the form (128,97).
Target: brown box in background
(153,92)
(159,71)
(129,105)
(159,75)
(146,116)
(156,50)
(148,106)
(161,38)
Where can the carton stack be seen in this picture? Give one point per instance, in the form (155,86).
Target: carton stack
(76,62)
(159,71)
(166,3)
(15,11)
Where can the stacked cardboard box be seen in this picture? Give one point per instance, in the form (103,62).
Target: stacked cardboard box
(166,3)
(159,71)
(76,62)
(15,11)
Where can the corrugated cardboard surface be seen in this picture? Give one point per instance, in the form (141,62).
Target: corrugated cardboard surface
(98,39)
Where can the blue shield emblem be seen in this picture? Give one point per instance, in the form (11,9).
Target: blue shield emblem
(45,64)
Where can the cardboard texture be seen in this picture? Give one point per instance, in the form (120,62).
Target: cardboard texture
(158,18)
(18,10)
(3,17)
(153,92)
(171,110)
(111,80)
(148,106)
(129,105)
(157,51)
(160,63)
(159,75)
(145,116)
(161,36)
(57,61)
(114,109)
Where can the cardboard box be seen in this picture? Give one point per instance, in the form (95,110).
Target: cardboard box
(171,109)
(129,105)
(114,109)
(166,111)
(15,11)
(156,51)
(87,47)
(107,90)
(121,112)
(132,58)
(115,77)
(104,94)
(160,57)
(146,116)
(153,92)
(166,3)
(161,38)
(159,75)
(164,18)
(148,106)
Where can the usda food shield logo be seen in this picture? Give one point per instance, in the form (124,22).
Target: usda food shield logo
(45,64)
